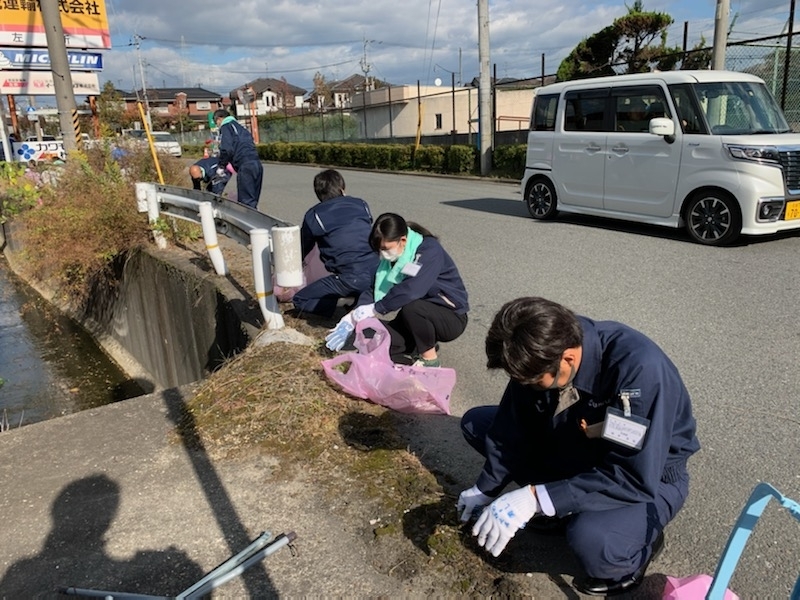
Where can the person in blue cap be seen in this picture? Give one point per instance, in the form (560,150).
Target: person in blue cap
(236,147)
(596,427)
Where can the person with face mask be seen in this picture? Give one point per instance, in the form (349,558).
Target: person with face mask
(596,427)
(417,290)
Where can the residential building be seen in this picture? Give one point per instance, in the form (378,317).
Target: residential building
(268,95)
(394,112)
(337,94)
(168,104)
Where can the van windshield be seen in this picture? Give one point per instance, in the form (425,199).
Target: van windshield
(740,108)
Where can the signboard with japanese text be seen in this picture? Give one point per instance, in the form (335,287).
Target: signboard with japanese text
(38,151)
(39,58)
(40,83)
(85,23)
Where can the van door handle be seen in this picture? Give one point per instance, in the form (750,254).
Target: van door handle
(620,149)
(593,147)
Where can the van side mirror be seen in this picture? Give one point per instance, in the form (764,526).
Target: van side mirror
(663,127)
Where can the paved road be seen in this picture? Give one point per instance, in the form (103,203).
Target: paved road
(727,316)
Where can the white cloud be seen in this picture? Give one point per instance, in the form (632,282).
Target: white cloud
(227,44)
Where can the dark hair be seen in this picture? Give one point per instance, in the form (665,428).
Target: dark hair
(390,227)
(528,336)
(328,184)
(221,113)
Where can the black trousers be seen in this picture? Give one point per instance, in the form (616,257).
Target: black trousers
(419,325)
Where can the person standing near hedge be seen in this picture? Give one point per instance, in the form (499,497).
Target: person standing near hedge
(236,147)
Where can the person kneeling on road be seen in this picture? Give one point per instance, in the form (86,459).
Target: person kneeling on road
(596,426)
(417,280)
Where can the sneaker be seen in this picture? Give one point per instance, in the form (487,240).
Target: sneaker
(424,362)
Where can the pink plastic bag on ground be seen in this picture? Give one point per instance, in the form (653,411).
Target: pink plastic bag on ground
(313,269)
(373,376)
(694,587)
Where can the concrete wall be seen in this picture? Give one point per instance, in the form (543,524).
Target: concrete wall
(166,322)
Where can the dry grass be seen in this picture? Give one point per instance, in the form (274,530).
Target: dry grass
(87,211)
(276,399)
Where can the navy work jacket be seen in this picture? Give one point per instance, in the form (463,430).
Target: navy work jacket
(581,472)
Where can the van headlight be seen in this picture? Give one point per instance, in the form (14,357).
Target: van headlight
(768,154)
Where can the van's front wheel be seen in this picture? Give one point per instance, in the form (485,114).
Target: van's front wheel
(540,198)
(713,218)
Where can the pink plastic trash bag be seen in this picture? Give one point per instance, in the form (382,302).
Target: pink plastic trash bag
(373,376)
(694,587)
(313,269)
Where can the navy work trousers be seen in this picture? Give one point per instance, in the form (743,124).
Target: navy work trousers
(248,183)
(320,296)
(609,544)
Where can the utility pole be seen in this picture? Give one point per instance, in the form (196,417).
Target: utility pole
(720,34)
(484,89)
(137,38)
(62,78)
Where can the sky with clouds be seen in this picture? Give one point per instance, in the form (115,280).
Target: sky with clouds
(221,45)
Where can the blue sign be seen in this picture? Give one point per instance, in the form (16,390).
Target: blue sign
(29,58)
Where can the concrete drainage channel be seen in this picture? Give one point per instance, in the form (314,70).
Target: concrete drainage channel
(173,318)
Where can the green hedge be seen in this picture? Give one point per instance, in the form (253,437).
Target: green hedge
(509,161)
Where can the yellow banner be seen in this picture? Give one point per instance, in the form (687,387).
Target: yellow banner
(85,23)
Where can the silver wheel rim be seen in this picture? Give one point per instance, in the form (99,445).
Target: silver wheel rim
(710,219)
(540,200)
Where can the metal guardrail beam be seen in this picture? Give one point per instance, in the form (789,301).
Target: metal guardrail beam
(242,224)
(231,219)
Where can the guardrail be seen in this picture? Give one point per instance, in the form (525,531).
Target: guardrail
(272,241)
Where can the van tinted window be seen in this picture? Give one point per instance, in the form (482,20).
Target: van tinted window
(585,111)
(688,112)
(544,112)
(635,106)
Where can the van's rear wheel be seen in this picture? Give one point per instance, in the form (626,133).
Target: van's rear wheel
(540,198)
(713,218)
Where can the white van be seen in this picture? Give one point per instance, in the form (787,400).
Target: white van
(706,150)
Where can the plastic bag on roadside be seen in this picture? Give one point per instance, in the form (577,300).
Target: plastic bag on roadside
(313,269)
(373,376)
(694,587)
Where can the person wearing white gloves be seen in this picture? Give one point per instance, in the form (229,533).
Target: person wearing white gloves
(417,290)
(596,427)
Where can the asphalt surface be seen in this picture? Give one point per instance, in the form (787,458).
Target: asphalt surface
(727,317)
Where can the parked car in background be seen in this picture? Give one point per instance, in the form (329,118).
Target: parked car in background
(163,141)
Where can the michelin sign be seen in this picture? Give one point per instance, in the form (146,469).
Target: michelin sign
(30,58)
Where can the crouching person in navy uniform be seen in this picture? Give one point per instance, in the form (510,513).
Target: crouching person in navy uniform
(417,290)
(596,427)
(339,225)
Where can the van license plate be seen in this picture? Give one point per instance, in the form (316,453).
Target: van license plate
(792,210)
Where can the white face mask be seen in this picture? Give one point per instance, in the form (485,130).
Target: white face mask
(390,255)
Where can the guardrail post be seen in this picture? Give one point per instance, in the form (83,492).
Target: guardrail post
(262,272)
(147,199)
(210,237)
(286,252)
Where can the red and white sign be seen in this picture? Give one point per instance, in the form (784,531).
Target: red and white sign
(40,83)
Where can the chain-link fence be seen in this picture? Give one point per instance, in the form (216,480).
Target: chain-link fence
(767,58)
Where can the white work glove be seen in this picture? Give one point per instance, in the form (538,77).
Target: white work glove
(362,312)
(501,520)
(336,339)
(471,501)
(221,172)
